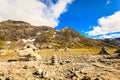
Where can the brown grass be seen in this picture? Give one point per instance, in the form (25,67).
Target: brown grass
(49,52)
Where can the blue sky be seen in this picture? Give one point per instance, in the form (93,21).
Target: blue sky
(91,18)
(83,15)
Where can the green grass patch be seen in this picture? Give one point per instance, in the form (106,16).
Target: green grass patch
(1,43)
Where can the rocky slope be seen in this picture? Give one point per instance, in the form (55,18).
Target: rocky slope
(45,36)
(113,41)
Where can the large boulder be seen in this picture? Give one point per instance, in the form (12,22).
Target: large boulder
(26,52)
(29,45)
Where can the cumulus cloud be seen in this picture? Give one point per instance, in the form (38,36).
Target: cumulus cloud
(35,12)
(107,25)
(110,36)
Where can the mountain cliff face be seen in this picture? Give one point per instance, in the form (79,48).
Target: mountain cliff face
(113,41)
(46,36)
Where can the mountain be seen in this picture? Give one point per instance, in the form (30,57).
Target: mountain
(45,36)
(113,41)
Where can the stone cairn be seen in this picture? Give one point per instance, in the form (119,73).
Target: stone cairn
(103,51)
(66,48)
(29,53)
(54,60)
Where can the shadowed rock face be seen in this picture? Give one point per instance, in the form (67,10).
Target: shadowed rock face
(118,56)
(117,51)
(103,51)
(113,41)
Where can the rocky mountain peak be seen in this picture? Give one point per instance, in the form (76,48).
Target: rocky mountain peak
(7,22)
(45,35)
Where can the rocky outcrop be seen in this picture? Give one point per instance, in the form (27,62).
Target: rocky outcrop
(103,51)
(113,41)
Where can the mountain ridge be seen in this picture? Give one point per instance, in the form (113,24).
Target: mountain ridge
(46,36)
(112,41)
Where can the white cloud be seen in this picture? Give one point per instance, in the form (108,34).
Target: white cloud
(107,25)
(108,2)
(110,36)
(33,11)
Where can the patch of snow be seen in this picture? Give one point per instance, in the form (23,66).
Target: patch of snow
(28,40)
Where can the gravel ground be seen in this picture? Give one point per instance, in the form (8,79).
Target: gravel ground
(68,67)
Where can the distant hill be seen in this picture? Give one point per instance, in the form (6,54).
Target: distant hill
(46,36)
(113,41)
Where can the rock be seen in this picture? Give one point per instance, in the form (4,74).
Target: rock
(2,78)
(30,45)
(23,59)
(2,74)
(37,58)
(26,52)
(67,61)
(118,56)
(41,73)
(61,63)
(12,60)
(76,74)
(74,78)
(44,74)
(73,74)
(86,78)
(25,67)
(51,79)
(9,78)
(103,51)
(29,53)
(96,79)
(117,51)
(38,72)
